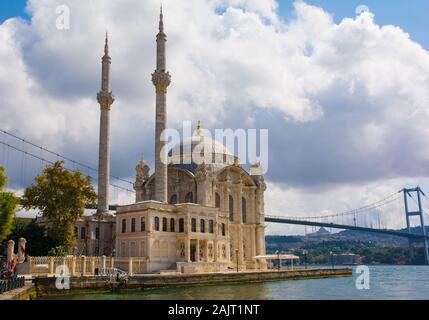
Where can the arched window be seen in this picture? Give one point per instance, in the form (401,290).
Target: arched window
(211,226)
(189,197)
(172,225)
(124,225)
(164,224)
(181,225)
(202,226)
(231,208)
(194,225)
(217,200)
(244,210)
(143,224)
(133,224)
(173,199)
(83,233)
(156,223)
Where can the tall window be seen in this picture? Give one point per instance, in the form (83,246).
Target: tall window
(83,233)
(124,225)
(189,197)
(202,226)
(181,225)
(217,200)
(164,224)
(223,229)
(172,225)
(156,223)
(211,226)
(97,233)
(173,199)
(244,210)
(143,224)
(231,208)
(133,225)
(194,225)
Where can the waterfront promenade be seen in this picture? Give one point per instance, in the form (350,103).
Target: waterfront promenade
(150,281)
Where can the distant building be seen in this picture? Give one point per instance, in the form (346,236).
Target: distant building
(95,234)
(319,233)
(347,259)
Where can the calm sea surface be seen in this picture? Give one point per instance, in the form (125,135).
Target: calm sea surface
(386,282)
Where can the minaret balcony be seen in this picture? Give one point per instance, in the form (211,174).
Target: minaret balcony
(161,80)
(105,99)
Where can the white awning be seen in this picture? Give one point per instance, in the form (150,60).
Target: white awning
(277,257)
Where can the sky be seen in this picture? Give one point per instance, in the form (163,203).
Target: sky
(412,17)
(344,95)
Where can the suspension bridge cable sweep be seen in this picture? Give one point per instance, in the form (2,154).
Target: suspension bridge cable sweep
(51,162)
(358,211)
(59,155)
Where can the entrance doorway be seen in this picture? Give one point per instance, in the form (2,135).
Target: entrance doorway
(193,252)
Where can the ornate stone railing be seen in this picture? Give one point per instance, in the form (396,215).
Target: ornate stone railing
(131,265)
(201,267)
(84,266)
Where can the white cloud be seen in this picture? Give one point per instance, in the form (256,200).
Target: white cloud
(346,104)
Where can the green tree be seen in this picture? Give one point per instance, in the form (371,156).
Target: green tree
(61,197)
(8,205)
(38,243)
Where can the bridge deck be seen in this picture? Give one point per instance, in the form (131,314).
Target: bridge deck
(273,219)
(345,227)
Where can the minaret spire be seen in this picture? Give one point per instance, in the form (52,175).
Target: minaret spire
(106,45)
(161,80)
(161,20)
(105,98)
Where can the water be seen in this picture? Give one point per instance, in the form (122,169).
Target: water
(386,283)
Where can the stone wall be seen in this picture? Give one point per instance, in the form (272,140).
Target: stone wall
(178,280)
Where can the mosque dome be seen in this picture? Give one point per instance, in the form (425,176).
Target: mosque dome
(199,149)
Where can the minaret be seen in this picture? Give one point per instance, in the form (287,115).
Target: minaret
(105,99)
(161,80)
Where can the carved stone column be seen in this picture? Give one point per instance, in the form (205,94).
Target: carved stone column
(197,249)
(21,250)
(10,250)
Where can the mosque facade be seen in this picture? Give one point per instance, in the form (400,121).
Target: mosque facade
(189,215)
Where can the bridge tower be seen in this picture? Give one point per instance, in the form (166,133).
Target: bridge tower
(408,193)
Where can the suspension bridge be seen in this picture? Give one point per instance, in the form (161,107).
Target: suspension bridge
(332,220)
(24,159)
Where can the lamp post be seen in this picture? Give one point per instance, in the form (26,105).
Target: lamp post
(278,260)
(236,256)
(305,252)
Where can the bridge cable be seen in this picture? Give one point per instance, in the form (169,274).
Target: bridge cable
(51,162)
(59,156)
(354,212)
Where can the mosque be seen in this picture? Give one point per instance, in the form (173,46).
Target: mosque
(187,216)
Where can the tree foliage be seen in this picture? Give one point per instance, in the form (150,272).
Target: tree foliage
(59,251)
(8,205)
(61,197)
(38,242)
